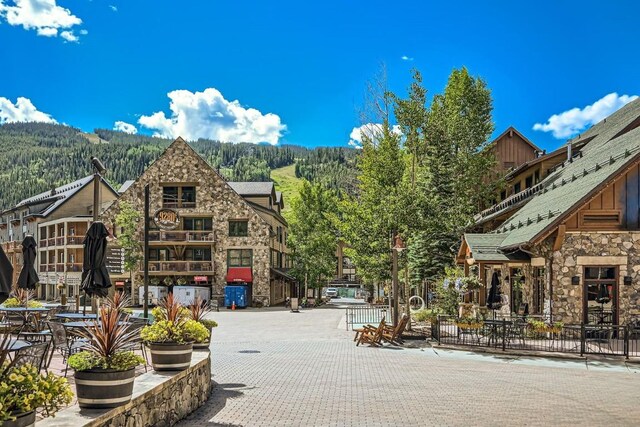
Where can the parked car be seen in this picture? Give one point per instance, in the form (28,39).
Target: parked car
(332,292)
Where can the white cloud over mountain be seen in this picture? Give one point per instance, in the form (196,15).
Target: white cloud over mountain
(125,127)
(573,121)
(46,17)
(370,130)
(22,111)
(208,114)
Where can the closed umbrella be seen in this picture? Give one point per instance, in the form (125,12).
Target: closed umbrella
(28,277)
(95,277)
(494,299)
(6,276)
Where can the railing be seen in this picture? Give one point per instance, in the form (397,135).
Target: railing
(51,267)
(517,334)
(366,314)
(75,240)
(51,242)
(59,268)
(43,269)
(43,243)
(59,241)
(181,236)
(181,266)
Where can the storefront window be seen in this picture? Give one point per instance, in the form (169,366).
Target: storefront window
(600,301)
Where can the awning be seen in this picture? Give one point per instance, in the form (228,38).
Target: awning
(239,274)
(282,274)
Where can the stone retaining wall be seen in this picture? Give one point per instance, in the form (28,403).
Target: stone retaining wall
(159,399)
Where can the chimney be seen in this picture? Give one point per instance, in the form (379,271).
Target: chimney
(569,153)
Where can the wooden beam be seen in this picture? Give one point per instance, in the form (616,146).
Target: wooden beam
(557,244)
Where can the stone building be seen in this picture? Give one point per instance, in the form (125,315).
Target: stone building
(569,247)
(58,220)
(226,232)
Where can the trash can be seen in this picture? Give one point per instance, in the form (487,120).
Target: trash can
(295,307)
(235,294)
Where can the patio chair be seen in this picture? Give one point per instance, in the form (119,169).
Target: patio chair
(371,337)
(516,331)
(599,337)
(393,335)
(63,344)
(365,328)
(33,355)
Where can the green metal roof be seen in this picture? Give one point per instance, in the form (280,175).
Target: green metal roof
(486,247)
(571,183)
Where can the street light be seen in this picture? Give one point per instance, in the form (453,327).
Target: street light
(98,169)
(398,246)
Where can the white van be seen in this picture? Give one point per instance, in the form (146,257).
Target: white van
(332,292)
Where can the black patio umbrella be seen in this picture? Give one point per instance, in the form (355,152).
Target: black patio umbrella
(95,277)
(494,299)
(28,277)
(6,276)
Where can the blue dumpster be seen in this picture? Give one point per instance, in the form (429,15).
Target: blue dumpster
(237,294)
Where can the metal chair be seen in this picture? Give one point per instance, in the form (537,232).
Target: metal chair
(61,342)
(33,355)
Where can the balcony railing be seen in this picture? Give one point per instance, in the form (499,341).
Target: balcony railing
(74,267)
(59,268)
(43,243)
(51,242)
(181,236)
(75,240)
(43,269)
(181,266)
(51,268)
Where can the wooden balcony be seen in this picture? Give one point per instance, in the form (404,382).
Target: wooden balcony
(180,236)
(43,243)
(75,240)
(172,267)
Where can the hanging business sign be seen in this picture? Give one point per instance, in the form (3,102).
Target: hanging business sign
(166,219)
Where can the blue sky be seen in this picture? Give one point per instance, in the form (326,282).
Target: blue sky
(299,69)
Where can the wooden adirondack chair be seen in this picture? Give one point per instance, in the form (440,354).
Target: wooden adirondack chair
(393,335)
(371,337)
(366,328)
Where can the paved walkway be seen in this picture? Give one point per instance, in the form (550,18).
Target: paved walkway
(276,368)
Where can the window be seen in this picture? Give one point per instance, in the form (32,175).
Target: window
(198,224)
(536,177)
(239,258)
(198,254)
(538,290)
(179,197)
(600,302)
(238,228)
(528,181)
(503,194)
(516,188)
(516,281)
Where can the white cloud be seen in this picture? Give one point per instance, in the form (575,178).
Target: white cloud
(573,121)
(114,8)
(406,58)
(44,16)
(22,111)
(370,130)
(208,114)
(125,127)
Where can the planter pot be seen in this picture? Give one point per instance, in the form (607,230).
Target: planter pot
(170,356)
(104,388)
(204,345)
(24,419)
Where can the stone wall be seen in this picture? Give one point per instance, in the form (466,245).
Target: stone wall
(580,249)
(215,199)
(158,400)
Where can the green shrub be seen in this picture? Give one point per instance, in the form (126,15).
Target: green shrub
(123,361)
(14,302)
(209,324)
(175,332)
(425,315)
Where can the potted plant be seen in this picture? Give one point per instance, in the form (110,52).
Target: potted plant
(105,371)
(469,323)
(197,311)
(170,338)
(23,390)
(22,298)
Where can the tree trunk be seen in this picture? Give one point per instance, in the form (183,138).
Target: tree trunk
(407,294)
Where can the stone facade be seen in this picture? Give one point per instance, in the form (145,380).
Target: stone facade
(581,249)
(214,199)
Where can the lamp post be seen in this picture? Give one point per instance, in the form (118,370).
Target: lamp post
(398,246)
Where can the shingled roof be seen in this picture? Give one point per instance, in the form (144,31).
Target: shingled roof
(253,188)
(612,147)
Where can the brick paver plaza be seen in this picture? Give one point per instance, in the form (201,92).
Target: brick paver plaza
(280,368)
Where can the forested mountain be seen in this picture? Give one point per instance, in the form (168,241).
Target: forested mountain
(35,157)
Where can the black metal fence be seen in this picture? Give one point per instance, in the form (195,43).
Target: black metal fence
(366,314)
(517,334)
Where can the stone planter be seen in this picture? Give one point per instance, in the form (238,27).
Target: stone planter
(170,356)
(24,419)
(104,388)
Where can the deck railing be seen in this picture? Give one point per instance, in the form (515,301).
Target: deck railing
(180,266)
(517,334)
(181,236)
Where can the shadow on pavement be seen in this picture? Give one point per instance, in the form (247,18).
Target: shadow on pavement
(220,394)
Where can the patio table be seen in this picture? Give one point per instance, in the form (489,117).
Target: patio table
(25,312)
(77,316)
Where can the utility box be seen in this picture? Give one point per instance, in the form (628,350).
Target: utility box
(187,294)
(237,294)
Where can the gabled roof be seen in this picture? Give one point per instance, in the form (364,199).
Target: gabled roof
(125,186)
(486,247)
(514,130)
(253,188)
(573,183)
(45,203)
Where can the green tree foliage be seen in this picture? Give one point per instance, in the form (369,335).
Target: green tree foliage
(38,156)
(127,224)
(312,235)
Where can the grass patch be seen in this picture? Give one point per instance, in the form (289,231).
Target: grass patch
(286,181)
